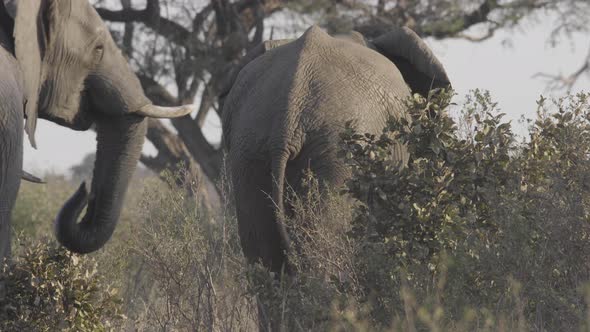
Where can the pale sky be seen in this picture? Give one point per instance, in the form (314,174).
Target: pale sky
(506,71)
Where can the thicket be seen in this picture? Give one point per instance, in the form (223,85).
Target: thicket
(480,223)
(47,288)
(481,230)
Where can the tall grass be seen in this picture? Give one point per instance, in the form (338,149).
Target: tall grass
(190,273)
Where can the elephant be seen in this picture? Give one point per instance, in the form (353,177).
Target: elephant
(11,132)
(58,62)
(285,106)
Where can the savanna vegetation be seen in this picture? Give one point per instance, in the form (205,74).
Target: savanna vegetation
(482,231)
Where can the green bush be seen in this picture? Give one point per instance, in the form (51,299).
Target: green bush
(479,231)
(48,289)
(444,193)
(476,209)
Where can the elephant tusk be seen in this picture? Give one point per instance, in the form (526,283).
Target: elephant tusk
(159,112)
(31,178)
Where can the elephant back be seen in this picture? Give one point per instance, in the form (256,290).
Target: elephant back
(338,80)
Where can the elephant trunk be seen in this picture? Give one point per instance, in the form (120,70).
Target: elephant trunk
(119,144)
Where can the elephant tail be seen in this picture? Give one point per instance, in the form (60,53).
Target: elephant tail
(279,166)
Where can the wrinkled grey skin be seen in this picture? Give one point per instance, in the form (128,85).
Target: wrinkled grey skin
(11,131)
(59,61)
(285,109)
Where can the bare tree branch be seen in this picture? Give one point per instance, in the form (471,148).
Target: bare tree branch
(207,101)
(189,144)
(129,31)
(566,82)
(150,16)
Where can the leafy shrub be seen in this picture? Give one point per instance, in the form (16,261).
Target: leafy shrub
(477,210)
(477,232)
(443,194)
(48,289)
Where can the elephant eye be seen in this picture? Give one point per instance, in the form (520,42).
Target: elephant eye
(98,51)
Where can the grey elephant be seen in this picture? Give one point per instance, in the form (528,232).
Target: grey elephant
(286,106)
(59,62)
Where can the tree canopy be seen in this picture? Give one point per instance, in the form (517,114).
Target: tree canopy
(182,50)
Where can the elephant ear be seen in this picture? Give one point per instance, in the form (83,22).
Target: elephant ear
(418,65)
(31,32)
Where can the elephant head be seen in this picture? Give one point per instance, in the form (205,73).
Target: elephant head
(74,75)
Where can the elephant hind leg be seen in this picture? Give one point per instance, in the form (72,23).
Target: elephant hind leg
(257,226)
(255,209)
(322,161)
